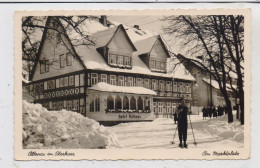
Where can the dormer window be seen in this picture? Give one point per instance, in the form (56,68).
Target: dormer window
(158,66)
(120,61)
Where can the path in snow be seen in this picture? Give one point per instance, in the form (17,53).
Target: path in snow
(159,133)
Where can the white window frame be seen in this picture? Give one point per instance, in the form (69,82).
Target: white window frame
(94,79)
(104,78)
(152,64)
(139,82)
(160,107)
(168,107)
(127,61)
(154,84)
(156,65)
(112,59)
(162,66)
(130,82)
(120,60)
(121,81)
(146,83)
(62,60)
(112,81)
(168,86)
(175,87)
(161,85)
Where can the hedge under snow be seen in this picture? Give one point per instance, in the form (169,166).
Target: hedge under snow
(62,129)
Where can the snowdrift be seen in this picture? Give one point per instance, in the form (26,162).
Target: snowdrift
(62,129)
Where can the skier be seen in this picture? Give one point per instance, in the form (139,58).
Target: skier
(215,114)
(175,117)
(182,123)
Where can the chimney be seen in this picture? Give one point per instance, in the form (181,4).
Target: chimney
(103,20)
(136,26)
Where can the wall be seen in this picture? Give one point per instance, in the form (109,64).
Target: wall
(52,51)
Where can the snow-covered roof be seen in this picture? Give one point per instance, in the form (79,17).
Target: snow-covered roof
(104,87)
(102,38)
(215,84)
(145,45)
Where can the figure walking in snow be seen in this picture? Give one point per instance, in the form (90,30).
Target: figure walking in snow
(175,117)
(182,123)
(204,113)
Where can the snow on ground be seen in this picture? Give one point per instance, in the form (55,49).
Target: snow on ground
(159,133)
(62,129)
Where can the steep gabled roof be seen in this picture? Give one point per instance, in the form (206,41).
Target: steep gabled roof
(145,46)
(47,27)
(103,38)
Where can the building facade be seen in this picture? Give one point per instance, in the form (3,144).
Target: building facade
(117,79)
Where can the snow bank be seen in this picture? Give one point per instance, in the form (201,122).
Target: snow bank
(62,129)
(224,130)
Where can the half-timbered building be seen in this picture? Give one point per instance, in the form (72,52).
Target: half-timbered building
(118,78)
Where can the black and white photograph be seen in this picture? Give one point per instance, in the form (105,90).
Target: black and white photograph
(137,82)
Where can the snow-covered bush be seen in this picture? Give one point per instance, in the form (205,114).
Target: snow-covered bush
(62,129)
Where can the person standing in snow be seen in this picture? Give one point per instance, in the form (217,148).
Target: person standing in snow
(182,123)
(204,113)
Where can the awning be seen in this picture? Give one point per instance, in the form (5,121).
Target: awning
(105,87)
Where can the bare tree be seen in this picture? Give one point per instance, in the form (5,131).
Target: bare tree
(34,26)
(217,41)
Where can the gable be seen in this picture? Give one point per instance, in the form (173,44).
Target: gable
(52,47)
(120,43)
(158,50)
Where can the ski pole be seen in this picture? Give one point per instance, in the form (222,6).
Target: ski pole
(195,143)
(175,133)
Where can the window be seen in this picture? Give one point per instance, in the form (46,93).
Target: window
(75,105)
(132,103)
(173,107)
(45,85)
(112,79)
(168,86)
(62,60)
(140,103)
(130,81)
(92,106)
(154,84)
(51,84)
(97,104)
(163,66)
(71,80)
(112,59)
(120,60)
(66,81)
(175,87)
(138,82)
(103,78)
(152,64)
(47,65)
(125,103)
(160,107)
(161,86)
(158,64)
(155,107)
(120,81)
(188,88)
(69,59)
(127,61)
(110,102)
(146,83)
(118,102)
(94,78)
(42,67)
(61,82)
(168,107)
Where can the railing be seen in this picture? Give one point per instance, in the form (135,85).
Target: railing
(126,111)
